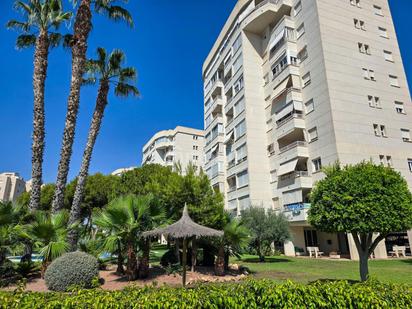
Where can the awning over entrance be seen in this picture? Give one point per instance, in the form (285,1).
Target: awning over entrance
(287,167)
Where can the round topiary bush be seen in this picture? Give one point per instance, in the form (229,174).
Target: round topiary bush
(72,269)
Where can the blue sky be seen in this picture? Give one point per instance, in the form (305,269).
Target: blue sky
(168,45)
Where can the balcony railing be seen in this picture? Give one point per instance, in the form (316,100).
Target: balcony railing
(295,174)
(292,145)
(286,120)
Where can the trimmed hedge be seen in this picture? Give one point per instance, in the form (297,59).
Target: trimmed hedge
(248,294)
(72,269)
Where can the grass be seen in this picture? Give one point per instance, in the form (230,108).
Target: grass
(306,270)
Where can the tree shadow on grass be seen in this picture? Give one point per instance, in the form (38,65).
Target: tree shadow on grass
(267,260)
(407,261)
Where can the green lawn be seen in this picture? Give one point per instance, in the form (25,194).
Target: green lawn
(305,269)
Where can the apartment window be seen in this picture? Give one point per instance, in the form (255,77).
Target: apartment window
(195,158)
(356,23)
(374,101)
(238,85)
(313,134)
(303,54)
(297,8)
(383,32)
(237,43)
(410,164)
(240,129)
(381,159)
(393,81)
(355,3)
(388,55)
(369,74)
(195,137)
(306,79)
(378,10)
(300,30)
(399,107)
(309,106)
(241,153)
(380,130)
(242,179)
(273,176)
(364,48)
(389,161)
(406,135)
(317,165)
(239,107)
(237,64)
(195,147)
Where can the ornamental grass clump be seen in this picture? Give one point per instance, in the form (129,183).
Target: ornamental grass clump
(76,269)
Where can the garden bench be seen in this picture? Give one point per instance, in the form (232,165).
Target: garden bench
(398,251)
(314,251)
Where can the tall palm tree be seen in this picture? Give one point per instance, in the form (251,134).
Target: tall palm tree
(41,19)
(108,70)
(82,28)
(49,234)
(122,223)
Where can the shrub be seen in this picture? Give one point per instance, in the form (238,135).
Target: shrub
(72,269)
(248,294)
(8,274)
(169,258)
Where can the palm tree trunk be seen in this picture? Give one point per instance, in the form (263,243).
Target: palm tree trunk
(75,212)
(194,254)
(82,27)
(39,79)
(120,269)
(144,261)
(132,269)
(220,262)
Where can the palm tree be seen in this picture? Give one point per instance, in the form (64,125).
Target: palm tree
(109,71)
(235,239)
(122,223)
(82,27)
(49,235)
(40,18)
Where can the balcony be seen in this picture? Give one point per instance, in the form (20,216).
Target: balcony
(217,88)
(295,180)
(281,82)
(296,212)
(297,149)
(290,124)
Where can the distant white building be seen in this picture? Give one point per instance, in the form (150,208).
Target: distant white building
(11,186)
(181,145)
(120,171)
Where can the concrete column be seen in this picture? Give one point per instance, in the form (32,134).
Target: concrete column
(379,253)
(352,248)
(410,238)
(289,248)
(380,250)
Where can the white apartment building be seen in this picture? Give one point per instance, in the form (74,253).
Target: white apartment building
(181,145)
(11,186)
(120,171)
(294,85)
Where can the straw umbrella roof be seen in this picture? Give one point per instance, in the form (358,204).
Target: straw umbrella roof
(184,228)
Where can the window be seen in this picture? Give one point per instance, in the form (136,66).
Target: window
(393,81)
(195,158)
(297,8)
(368,74)
(400,109)
(388,55)
(237,43)
(374,102)
(381,159)
(306,79)
(241,153)
(385,160)
(383,33)
(239,107)
(303,54)
(309,106)
(313,134)
(237,64)
(273,176)
(410,164)
(389,161)
(355,2)
(406,135)
(372,75)
(195,147)
(238,85)
(317,165)
(356,23)
(382,130)
(195,137)
(300,30)
(242,179)
(378,10)
(362,25)
(244,202)
(364,48)
(240,129)
(379,130)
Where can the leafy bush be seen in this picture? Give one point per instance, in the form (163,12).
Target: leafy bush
(248,294)
(8,274)
(72,269)
(169,258)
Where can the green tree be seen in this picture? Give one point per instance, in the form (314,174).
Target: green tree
(48,233)
(108,70)
(361,199)
(122,223)
(41,19)
(266,227)
(82,28)
(46,198)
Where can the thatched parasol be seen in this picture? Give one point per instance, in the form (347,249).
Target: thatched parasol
(184,229)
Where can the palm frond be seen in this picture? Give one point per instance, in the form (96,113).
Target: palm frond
(125,90)
(114,12)
(24,26)
(25,41)
(127,75)
(116,59)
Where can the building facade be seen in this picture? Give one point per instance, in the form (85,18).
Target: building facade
(181,145)
(11,187)
(120,171)
(294,85)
